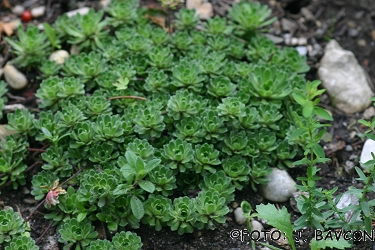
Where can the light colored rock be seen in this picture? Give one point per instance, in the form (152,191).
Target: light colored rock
(13,107)
(238,216)
(288,25)
(302,41)
(344,79)
(349,167)
(105,3)
(294,41)
(287,39)
(302,50)
(81,11)
(257,226)
(203,8)
(59,56)
(18,10)
(369,113)
(14,78)
(368,148)
(344,202)
(280,186)
(275,39)
(38,11)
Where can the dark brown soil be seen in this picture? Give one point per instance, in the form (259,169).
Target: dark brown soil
(340,18)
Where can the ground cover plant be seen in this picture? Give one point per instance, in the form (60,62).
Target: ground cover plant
(142,121)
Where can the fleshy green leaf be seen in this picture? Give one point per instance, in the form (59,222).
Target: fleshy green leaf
(137,207)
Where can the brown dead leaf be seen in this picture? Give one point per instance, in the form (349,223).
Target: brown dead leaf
(334,146)
(6,4)
(160,21)
(9,27)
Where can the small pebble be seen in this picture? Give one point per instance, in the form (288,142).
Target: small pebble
(239,217)
(287,39)
(373,35)
(14,78)
(302,50)
(275,39)
(351,24)
(59,56)
(235,205)
(25,190)
(81,11)
(302,41)
(38,11)
(349,167)
(294,41)
(18,9)
(361,42)
(257,226)
(348,148)
(30,201)
(353,32)
(288,25)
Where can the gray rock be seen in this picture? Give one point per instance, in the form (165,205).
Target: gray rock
(349,167)
(344,79)
(368,148)
(280,186)
(275,39)
(18,9)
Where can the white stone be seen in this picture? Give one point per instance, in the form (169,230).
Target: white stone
(287,39)
(105,3)
(38,11)
(368,148)
(280,186)
(13,107)
(294,41)
(14,78)
(203,8)
(82,11)
(302,41)
(302,50)
(59,56)
(239,217)
(18,10)
(257,227)
(344,79)
(345,201)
